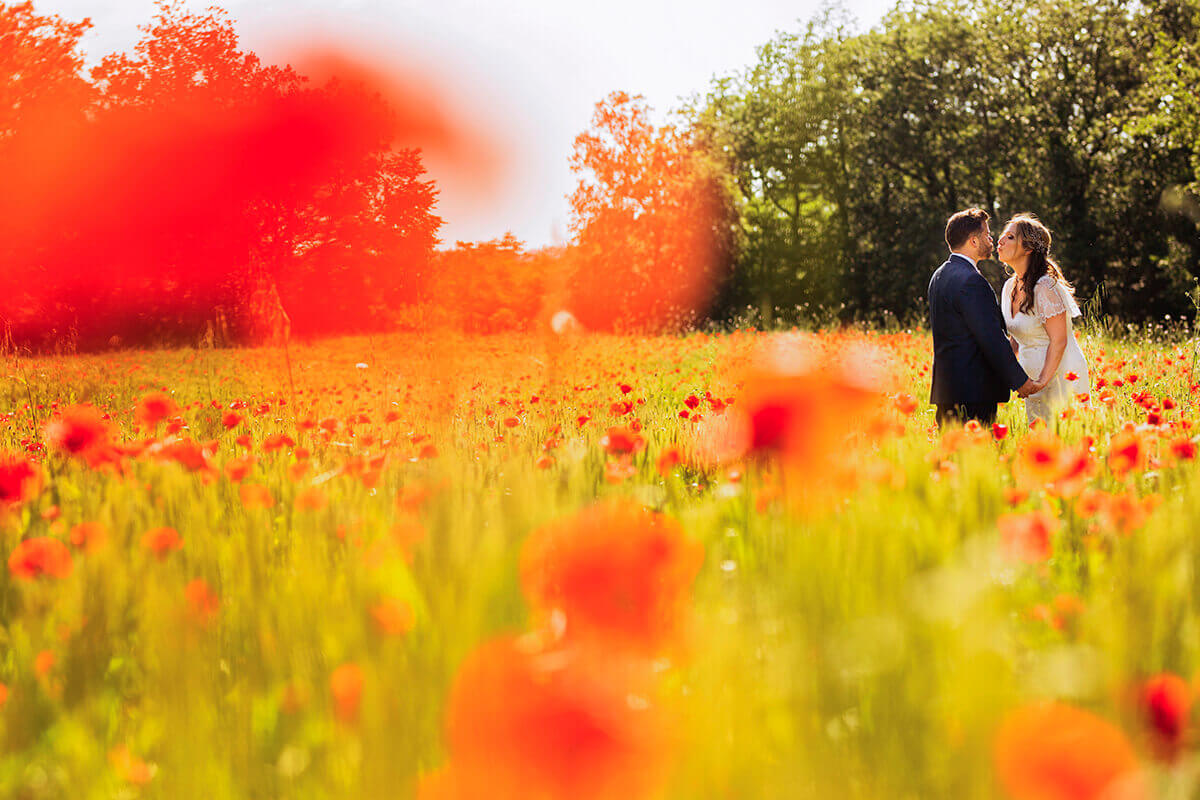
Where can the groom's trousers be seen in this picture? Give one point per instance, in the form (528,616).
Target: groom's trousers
(961,412)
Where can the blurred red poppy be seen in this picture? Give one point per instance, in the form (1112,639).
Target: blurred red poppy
(79,431)
(613,570)
(20,481)
(153,408)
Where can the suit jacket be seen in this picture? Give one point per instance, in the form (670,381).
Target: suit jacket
(973,361)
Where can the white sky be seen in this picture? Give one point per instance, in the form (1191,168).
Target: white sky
(537,66)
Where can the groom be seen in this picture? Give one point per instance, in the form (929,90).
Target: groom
(973,363)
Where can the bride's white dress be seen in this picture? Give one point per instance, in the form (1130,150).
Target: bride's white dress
(1050,298)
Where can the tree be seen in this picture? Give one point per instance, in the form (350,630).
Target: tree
(202,182)
(40,69)
(650,217)
(43,100)
(851,151)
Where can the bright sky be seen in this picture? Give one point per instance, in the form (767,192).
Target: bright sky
(537,66)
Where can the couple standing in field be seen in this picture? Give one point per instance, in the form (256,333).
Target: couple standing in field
(982,350)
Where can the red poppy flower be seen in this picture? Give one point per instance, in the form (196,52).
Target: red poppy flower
(1127,452)
(1184,449)
(906,404)
(999,431)
(153,408)
(1166,701)
(20,480)
(40,557)
(620,440)
(79,431)
(613,570)
(237,469)
(668,459)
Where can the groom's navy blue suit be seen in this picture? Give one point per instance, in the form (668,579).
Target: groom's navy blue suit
(973,363)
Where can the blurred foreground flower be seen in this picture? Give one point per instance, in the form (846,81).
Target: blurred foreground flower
(524,722)
(1166,704)
(80,431)
(802,404)
(346,686)
(615,571)
(1058,752)
(153,408)
(1027,537)
(20,481)
(39,557)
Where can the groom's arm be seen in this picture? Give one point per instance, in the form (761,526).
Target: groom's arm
(982,315)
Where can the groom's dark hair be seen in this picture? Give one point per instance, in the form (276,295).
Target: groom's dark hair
(963,225)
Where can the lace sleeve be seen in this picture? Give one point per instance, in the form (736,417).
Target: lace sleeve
(1048,300)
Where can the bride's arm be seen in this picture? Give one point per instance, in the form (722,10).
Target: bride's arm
(1016,348)
(1056,329)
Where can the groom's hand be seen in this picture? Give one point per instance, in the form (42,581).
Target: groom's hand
(1029,387)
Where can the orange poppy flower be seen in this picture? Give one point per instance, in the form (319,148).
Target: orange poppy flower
(1039,459)
(88,536)
(161,541)
(522,722)
(393,617)
(40,557)
(346,687)
(255,495)
(1059,752)
(203,603)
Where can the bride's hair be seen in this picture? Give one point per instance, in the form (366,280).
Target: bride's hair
(1036,236)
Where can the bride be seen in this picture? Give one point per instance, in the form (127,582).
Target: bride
(1038,306)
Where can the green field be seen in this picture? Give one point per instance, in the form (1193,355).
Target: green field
(262,574)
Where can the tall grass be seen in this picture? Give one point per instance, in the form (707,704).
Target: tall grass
(864,646)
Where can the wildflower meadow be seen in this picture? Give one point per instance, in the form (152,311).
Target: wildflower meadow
(519,566)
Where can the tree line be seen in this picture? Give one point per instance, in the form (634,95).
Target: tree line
(845,151)
(186,188)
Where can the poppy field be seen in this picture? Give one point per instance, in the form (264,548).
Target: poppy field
(735,565)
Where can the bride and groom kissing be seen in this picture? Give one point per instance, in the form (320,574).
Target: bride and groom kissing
(984,349)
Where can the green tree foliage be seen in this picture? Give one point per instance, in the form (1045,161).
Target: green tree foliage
(849,151)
